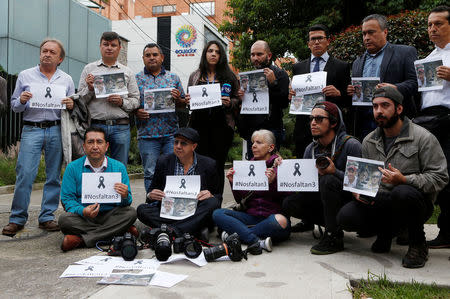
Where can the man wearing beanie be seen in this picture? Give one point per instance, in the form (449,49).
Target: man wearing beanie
(183,161)
(415,171)
(332,145)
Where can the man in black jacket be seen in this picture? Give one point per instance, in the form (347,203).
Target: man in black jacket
(183,161)
(278,81)
(338,77)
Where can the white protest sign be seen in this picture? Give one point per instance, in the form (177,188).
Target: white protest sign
(109,83)
(99,187)
(364,89)
(118,262)
(256,92)
(427,78)
(185,186)
(309,83)
(159,100)
(250,175)
(199,261)
(298,175)
(205,96)
(87,271)
(166,280)
(47,96)
(362,176)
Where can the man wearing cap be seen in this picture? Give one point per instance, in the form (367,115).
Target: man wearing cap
(183,161)
(111,113)
(435,111)
(331,144)
(415,171)
(351,178)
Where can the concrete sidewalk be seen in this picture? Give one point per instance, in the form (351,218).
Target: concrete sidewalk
(31,263)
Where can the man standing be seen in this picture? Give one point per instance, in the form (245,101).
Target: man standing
(41,131)
(111,114)
(2,94)
(338,78)
(278,98)
(331,144)
(184,161)
(436,108)
(155,131)
(393,64)
(414,173)
(85,224)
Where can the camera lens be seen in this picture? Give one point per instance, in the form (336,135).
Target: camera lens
(193,249)
(163,248)
(214,253)
(129,250)
(322,162)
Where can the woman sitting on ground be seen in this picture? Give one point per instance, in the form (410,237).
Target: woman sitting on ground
(260,220)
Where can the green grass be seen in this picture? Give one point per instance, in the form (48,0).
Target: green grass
(8,171)
(379,286)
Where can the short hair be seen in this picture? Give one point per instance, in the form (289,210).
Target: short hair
(266,135)
(56,41)
(95,129)
(110,36)
(319,27)
(382,21)
(152,45)
(442,8)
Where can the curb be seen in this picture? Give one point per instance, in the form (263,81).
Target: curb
(9,189)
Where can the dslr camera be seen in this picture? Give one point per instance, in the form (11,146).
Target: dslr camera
(231,247)
(124,246)
(160,240)
(188,245)
(322,161)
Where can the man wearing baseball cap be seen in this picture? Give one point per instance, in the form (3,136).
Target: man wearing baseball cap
(415,171)
(183,161)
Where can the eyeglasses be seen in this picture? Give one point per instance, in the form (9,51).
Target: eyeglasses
(318,118)
(182,143)
(317,39)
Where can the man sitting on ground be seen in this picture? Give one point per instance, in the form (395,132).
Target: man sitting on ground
(85,224)
(183,161)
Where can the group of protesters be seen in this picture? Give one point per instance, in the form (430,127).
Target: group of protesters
(410,137)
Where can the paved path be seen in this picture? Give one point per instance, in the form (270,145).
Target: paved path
(31,264)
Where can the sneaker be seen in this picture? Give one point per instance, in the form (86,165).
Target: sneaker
(330,243)
(257,247)
(441,241)
(224,236)
(381,245)
(11,229)
(266,244)
(50,226)
(416,256)
(302,227)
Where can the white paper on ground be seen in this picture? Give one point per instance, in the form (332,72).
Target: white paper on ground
(199,261)
(166,280)
(87,271)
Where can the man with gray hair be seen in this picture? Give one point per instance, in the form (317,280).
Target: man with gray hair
(393,64)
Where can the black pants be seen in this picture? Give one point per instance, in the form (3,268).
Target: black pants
(148,213)
(302,134)
(319,207)
(404,206)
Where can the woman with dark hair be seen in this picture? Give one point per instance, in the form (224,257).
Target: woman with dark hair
(215,125)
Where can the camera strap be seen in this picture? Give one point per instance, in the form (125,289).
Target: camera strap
(339,150)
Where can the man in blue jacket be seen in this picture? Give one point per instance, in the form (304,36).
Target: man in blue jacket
(85,224)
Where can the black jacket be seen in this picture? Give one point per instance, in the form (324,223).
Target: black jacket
(206,168)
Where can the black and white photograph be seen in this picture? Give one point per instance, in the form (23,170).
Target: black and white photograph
(106,84)
(303,104)
(362,176)
(159,100)
(256,92)
(178,208)
(427,78)
(364,88)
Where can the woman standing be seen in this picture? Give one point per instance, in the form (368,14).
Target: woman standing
(215,125)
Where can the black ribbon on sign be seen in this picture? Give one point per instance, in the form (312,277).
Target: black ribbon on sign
(101,179)
(204,92)
(252,168)
(138,262)
(297,169)
(308,78)
(254,98)
(90,268)
(48,90)
(183,182)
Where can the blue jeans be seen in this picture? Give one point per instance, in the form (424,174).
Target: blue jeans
(32,142)
(261,227)
(118,137)
(150,149)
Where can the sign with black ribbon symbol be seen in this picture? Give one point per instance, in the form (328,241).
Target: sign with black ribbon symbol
(204,94)
(138,262)
(90,268)
(252,170)
(183,184)
(101,179)
(255,100)
(308,78)
(48,90)
(297,169)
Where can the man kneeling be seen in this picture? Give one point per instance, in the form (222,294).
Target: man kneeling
(184,161)
(85,224)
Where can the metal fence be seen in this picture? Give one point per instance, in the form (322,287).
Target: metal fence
(10,122)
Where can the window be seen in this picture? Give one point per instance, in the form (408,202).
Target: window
(160,9)
(204,8)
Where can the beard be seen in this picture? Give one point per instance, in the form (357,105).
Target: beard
(264,64)
(389,123)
